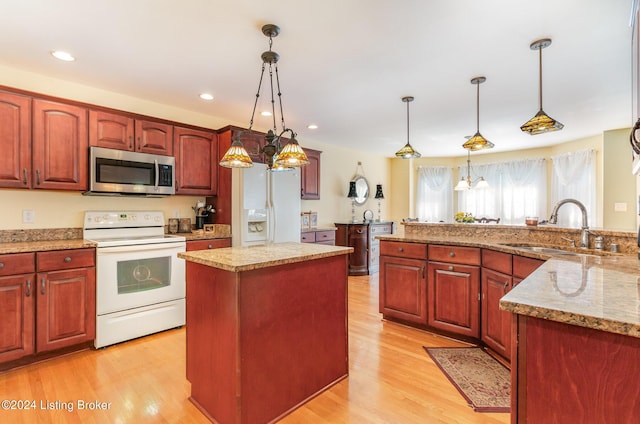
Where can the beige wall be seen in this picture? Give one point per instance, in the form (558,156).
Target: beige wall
(620,184)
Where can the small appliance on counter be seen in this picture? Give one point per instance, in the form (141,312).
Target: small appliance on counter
(203,214)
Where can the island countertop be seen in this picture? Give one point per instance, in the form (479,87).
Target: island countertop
(596,290)
(237,259)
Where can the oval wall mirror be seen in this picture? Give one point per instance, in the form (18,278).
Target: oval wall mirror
(362,189)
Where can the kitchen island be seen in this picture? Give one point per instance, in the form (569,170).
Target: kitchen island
(266,328)
(575,319)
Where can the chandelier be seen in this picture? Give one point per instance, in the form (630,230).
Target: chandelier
(541,122)
(465,183)
(279,152)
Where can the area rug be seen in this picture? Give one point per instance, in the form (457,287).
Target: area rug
(484,382)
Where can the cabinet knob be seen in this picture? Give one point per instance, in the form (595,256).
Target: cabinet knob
(210,246)
(450,267)
(452,254)
(67,259)
(400,249)
(1,265)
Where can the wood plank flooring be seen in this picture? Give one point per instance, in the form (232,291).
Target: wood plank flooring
(391,380)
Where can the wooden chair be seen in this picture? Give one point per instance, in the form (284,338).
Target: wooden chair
(487,220)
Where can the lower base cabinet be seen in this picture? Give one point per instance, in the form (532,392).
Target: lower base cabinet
(496,323)
(51,308)
(403,289)
(454,304)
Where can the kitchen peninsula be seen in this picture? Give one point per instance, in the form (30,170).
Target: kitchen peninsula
(573,322)
(266,328)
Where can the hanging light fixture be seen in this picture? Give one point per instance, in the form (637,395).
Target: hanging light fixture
(541,123)
(407,152)
(278,154)
(465,183)
(477,142)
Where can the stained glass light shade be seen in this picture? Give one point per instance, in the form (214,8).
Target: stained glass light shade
(541,123)
(292,155)
(236,156)
(477,142)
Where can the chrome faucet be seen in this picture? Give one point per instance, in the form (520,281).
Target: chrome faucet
(584,236)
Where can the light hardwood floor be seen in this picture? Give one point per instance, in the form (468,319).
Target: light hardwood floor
(391,380)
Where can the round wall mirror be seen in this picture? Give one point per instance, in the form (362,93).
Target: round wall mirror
(362,189)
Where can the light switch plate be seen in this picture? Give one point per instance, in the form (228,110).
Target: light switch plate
(28,216)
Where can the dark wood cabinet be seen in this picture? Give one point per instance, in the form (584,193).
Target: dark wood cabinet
(310,176)
(454,298)
(403,281)
(66,302)
(125,131)
(17,303)
(496,324)
(196,153)
(208,244)
(60,146)
(15,140)
(365,258)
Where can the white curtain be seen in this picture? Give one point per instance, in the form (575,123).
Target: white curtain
(524,190)
(574,176)
(482,203)
(435,194)
(516,189)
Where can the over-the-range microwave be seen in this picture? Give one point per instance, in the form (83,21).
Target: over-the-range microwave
(120,172)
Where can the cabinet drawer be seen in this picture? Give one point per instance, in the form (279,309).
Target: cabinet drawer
(357,231)
(454,254)
(497,261)
(17,263)
(523,266)
(208,244)
(65,259)
(309,237)
(403,249)
(322,236)
(380,229)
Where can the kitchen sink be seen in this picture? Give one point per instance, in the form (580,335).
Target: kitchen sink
(545,249)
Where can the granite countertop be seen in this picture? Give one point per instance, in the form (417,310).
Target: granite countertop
(236,259)
(593,289)
(42,245)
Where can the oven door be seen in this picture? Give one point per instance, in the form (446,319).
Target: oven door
(132,276)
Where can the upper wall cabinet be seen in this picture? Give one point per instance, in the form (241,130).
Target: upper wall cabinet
(60,146)
(196,153)
(310,176)
(121,131)
(15,140)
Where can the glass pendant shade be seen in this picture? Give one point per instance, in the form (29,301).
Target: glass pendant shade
(477,142)
(541,122)
(291,155)
(482,183)
(462,185)
(236,156)
(408,152)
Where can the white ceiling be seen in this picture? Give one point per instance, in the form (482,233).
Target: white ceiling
(345,64)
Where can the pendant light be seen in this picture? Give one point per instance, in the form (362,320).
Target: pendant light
(407,152)
(278,153)
(541,123)
(477,142)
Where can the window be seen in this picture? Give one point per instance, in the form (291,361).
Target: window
(574,177)
(435,194)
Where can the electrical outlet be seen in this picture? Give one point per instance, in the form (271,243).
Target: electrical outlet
(176,213)
(28,216)
(620,207)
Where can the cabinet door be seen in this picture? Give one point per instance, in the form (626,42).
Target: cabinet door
(154,137)
(196,161)
(454,298)
(15,141)
(359,258)
(496,324)
(16,326)
(66,308)
(111,130)
(310,176)
(403,289)
(60,146)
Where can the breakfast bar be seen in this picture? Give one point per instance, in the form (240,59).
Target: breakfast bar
(266,328)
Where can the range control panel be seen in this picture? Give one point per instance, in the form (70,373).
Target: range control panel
(119,219)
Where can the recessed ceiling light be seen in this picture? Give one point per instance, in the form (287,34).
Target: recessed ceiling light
(265,113)
(59,54)
(206,96)
(312,126)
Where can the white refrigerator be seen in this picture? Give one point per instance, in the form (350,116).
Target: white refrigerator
(265,206)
